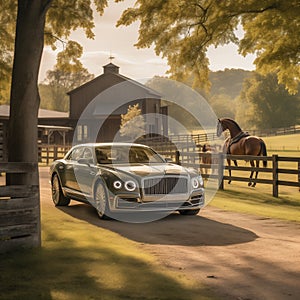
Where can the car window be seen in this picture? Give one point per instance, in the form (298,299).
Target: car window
(102,155)
(87,154)
(125,155)
(75,154)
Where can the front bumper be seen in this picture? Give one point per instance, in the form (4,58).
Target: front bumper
(159,203)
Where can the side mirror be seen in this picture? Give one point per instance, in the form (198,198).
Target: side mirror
(169,160)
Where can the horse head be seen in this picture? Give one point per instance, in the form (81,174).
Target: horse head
(220,128)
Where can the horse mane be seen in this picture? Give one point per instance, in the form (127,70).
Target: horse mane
(231,121)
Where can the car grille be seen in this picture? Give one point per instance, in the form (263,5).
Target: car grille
(165,185)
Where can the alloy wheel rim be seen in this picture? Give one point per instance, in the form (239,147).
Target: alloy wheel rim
(55,189)
(100,199)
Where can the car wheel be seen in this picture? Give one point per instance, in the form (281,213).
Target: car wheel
(101,201)
(58,197)
(190,212)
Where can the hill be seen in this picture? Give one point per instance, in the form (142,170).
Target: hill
(228,82)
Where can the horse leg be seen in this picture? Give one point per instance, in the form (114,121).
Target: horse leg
(229,171)
(256,174)
(251,174)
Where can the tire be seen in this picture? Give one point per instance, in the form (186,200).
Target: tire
(58,197)
(191,212)
(101,201)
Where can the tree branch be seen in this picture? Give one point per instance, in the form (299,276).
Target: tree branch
(56,37)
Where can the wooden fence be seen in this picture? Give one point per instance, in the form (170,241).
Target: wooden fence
(217,169)
(19,210)
(49,153)
(194,158)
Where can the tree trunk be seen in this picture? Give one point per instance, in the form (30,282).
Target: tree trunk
(25,99)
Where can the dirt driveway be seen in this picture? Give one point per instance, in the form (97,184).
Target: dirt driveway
(238,256)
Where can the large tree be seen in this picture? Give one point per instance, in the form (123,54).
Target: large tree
(264,103)
(67,74)
(182,31)
(37,22)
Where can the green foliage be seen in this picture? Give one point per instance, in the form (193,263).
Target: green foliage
(62,17)
(182,31)
(223,106)
(226,86)
(68,74)
(228,82)
(274,36)
(266,104)
(7,29)
(132,123)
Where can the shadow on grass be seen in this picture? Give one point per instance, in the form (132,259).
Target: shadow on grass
(172,230)
(89,268)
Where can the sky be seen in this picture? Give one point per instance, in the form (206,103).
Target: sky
(138,64)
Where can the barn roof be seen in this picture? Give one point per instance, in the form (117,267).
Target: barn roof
(113,70)
(43,113)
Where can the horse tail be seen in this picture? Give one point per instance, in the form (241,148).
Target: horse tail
(263,152)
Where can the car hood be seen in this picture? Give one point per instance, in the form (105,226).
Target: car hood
(143,170)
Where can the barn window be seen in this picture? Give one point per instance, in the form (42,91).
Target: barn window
(82,132)
(79,133)
(85,132)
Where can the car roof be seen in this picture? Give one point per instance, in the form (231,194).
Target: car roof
(109,144)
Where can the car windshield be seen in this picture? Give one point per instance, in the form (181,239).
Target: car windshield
(126,154)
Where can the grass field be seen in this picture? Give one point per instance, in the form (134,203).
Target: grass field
(283,143)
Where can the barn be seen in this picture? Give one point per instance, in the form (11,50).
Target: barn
(99,103)
(95,111)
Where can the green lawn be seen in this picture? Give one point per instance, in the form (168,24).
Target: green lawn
(259,201)
(283,143)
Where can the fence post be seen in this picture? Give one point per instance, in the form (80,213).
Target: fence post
(299,174)
(55,150)
(275,174)
(220,171)
(177,157)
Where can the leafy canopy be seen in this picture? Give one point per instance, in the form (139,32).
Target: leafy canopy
(63,17)
(69,71)
(183,30)
(7,28)
(264,103)
(67,74)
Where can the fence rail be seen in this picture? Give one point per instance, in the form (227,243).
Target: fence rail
(19,210)
(216,168)
(49,153)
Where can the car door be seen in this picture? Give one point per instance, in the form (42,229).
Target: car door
(86,171)
(71,165)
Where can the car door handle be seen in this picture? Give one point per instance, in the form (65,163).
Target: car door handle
(92,173)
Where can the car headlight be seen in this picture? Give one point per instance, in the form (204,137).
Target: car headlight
(197,182)
(130,185)
(117,184)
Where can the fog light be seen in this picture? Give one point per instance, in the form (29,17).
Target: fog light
(130,185)
(117,184)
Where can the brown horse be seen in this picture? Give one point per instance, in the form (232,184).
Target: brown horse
(209,158)
(241,143)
